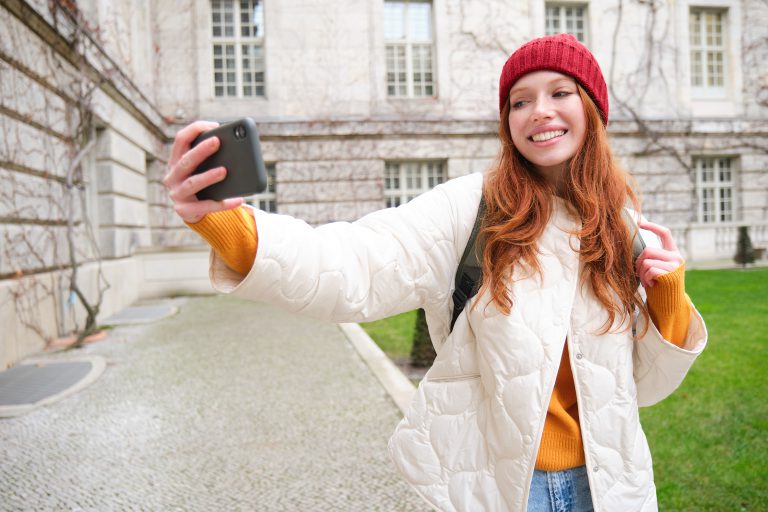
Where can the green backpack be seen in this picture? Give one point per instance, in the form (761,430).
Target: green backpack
(469,274)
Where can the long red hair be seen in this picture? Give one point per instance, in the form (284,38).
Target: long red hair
(519,205)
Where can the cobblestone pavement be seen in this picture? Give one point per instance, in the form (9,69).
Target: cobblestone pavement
(228,405)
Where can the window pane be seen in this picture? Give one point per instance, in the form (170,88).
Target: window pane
(405,180)
(697,77)
(695,28)
(391,177)
(239,58)
(394,20)
(566,18)
(552,20)
(252,18)
(412,177)
(253,67)
(708,206)
(409,49)
(422,67)
(707,48)
(714,178)
(420,18)
(396,76)
(725,170)
(223,70)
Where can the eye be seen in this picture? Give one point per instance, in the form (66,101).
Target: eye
(517,104)
(562,94)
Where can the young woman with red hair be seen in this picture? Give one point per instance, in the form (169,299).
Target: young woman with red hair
(532,401)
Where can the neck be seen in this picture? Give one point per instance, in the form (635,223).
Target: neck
(555,176)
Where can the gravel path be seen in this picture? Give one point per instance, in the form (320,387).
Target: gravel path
(227,405)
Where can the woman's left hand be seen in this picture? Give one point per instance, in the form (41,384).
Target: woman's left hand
(654,262)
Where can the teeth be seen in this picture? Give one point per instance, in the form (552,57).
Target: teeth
(541,137)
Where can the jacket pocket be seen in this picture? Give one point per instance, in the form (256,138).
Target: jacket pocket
(454,378)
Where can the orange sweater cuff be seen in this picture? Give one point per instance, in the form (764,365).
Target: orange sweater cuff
(669,306)
(232,234)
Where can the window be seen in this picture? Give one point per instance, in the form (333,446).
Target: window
(409,48)
(714,188)
(567,18)
(267,200)
(405,180)
(238,48)
(707,38)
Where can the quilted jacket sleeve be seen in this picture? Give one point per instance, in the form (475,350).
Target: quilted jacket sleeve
(390,261)
(660,366)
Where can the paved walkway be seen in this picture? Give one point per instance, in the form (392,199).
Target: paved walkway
(227,405)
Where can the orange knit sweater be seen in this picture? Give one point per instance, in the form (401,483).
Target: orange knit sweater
(233,235)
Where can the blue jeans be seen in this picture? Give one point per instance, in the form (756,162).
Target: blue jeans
(560,491)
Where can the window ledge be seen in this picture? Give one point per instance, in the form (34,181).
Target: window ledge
(413,99)
(713,107)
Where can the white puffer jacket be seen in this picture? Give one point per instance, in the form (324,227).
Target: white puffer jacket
(470,438)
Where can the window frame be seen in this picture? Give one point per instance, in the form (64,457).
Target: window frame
(238,41)
(717,185)
(403,193)
(267,200)
(705,91)
(561,6)
(409,46)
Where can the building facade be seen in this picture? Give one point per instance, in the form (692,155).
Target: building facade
(360,105)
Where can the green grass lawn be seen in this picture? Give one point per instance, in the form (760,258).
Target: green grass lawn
(710,438)
(394,335)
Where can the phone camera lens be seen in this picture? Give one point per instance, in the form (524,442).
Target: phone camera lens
(239,132)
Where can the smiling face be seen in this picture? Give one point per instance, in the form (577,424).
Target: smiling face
(547,121)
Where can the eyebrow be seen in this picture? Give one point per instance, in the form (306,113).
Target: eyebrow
(555,82)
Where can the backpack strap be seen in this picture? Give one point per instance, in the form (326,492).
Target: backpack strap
(469,274)
(638,244)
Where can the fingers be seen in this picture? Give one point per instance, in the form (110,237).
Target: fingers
(185,136)
(193,184)
(189,161)
(649,269)
(655,253)
(667,241)
(194,211)
(186,204)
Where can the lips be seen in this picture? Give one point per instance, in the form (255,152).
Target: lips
(547,135)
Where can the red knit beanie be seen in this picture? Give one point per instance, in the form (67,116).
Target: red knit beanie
(562,53)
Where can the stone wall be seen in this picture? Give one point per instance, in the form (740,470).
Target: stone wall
(69,104)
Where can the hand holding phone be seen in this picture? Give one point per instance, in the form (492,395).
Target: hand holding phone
(182,188)
(240,154)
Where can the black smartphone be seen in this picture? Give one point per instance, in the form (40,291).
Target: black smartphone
(240,153)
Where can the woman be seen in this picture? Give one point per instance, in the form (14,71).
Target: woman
(532,401)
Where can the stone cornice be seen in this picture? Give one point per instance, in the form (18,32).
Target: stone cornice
(374,128)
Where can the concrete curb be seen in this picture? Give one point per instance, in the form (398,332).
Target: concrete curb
(98,364)
(397,385)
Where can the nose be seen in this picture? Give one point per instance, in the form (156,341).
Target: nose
(543,108)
